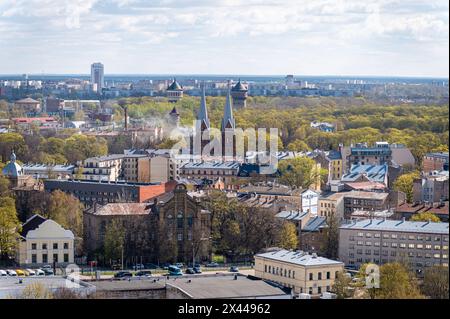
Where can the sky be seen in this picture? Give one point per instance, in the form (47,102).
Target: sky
(247,37)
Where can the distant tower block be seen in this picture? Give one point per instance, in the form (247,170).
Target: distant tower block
(174,91)
(239,94)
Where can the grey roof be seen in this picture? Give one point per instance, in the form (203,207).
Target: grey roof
(228,119)
(299,258)
(203,112)
(211,165)
(44,168)
(292,215)
(399,226)
(334,155)
(175,86)
(374,173)
(314,224)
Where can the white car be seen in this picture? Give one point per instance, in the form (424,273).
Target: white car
(3,273)
(31,272)
(39,272)
(11,273)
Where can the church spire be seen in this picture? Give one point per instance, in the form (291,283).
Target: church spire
(203,113)
(228,121)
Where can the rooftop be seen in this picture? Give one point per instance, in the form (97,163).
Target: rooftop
(366,195)
(398,225)
(299,258)
(120,209)
(224,286)
(292,215)
(212,165)
(374,173)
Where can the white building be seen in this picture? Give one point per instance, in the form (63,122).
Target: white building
(309,201)
(44,241)
(103,168)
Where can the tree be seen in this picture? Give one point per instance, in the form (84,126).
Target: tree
(79,147)
(114,242)
(341,285)
(397,282)
(425,217)
(35,290)
(9,142)
(4,185)
(404,183)
(9,227)
(301,172)
(288,236)
(66,210)
(298,146)
(435,282)
(330,241)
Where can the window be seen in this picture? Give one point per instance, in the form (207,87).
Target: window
(55,245)
(66,258)
(33,258)
(319,290)
(33,246)
(319,276)
(437,247)
(411,246)
(44,258)
(328,275)
(179,236)
(394,245)
(310,276)
(44,246)
(293,274)
(55,257)
(310,290)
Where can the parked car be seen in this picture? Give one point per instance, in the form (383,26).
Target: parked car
(197,269)
(116,266)
(190,271)
(46,267)
(139,266)
(3,273)
(212,264)
(179,265)
(123,274)
(234,269)
(11,273)
(20,273)
(31,272)
(143,273)
(165,266)
(39,272)
(47,271)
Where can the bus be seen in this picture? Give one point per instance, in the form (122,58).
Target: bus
(174,271)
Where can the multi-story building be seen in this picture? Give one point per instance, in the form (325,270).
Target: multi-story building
(44,171)
(421,244)
(101,192)
(177,225)
(362,154)
(376,174)
(435,162)
(331,205)
(431,187)
(103,168)
(29,105)
(43,241)
(360,200)
(97,77)
(298,270)
(227,171)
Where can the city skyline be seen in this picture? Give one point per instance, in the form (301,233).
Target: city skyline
(375,38)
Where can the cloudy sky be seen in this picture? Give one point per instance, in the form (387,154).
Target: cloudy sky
(258,37)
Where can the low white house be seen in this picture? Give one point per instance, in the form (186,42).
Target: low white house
(309,201)
(44,241)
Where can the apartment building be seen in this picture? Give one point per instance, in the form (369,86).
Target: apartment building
(360,200)
(331,205)
(421,244)
(227,171)
(432,187)
(102,168)
(435,162)
(298,270)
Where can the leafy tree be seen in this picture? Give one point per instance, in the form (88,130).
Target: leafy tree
(301,172)
(80,147)
(397,282)
(4,185)
(341,285)
(9,142)
(9,227)
(288,237)
(114,242)
(66,210)
(435,282)
(424,217)
(298,146)
(404,183)
(330,241)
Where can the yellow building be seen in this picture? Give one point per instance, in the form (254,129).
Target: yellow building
(43,241)
(303,272)
(331,205)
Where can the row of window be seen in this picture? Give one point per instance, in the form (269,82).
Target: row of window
(45,258)
(394,254)
(45,246)
(401,245)
(279,271)
(385,261)
(401,236)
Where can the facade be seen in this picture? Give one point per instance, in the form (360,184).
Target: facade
(43,241)
(227,171)
(362,154)
(360,200)
(313,234)
(29,105)
(331,205)
(309,201)
(431,187)
(103,168)
(97,77)
(435,162)
(421,244)
(407,211)
(298,270)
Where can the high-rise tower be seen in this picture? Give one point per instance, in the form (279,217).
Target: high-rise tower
(97,77)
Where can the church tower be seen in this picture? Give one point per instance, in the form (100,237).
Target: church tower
(202,127)
(174,91)
(228,126)
(174,118)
